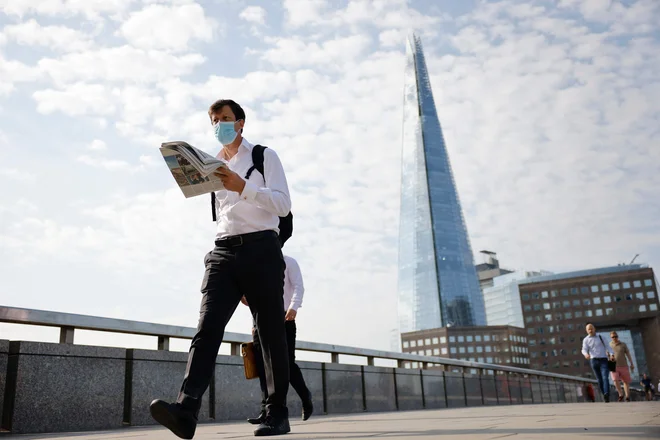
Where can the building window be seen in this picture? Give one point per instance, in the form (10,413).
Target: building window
(453,350)
(586,301)
(427,341)
(584,289)
(615,286)
(629,297)
(420,343)
(639,295)
(489,360)
(568,315)
(556,305)
(414,364)
(564,292)
(443,350)
(597,300)
(594,289)
(528,319)
(576,302)
(618,298)
(637,283)
(650,294)
(607,299)
(578,314)
(544,294)
(626,285)
(525,296)
(436,351)
(443,340)
(405,344)
(429,352)
(477,338)
(487,348)
(486,338)
(470,349)
(648,283)
(468,338)
(567,304)
(535,295)
(530,331)
(537,307)
(548,317)
(574,290)
(480,349)
(527,308)
(642,308)
(605,287)
(461,349)
(653,307)
(435,341)
(588,314)
(546,306)
(553,294)
(413,344)
(599,312)
(461,339)
(452,339)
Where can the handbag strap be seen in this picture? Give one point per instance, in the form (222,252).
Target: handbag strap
(604,346)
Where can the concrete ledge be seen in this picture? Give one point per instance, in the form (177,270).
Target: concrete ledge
(313,374)
(473,390)
(63,387)
(409,389)
(379,388)
(455,390)
(153,375)
(489,390)
(343,388)
(236,398)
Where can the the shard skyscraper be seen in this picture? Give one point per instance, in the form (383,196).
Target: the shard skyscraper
(438,284)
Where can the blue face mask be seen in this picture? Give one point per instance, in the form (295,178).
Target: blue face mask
(225,133)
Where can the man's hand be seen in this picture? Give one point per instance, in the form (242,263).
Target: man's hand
(587,357)
(632,367)
(231,180)
(244,301)
(290,315)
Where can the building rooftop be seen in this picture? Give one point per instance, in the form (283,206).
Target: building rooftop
(583,273)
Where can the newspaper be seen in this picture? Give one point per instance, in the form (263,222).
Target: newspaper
(192,168)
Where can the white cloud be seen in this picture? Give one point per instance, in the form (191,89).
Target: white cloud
(31,33)
(97,145)
(79,99)
(91,9)
(301,13)
(17,175)
(254,15)
(123,63)
(168,27)
(105,163)
(296,52)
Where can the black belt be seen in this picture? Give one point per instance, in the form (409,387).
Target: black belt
(241,239)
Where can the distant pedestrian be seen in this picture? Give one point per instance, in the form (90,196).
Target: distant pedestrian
(622,373)
(595,350)
(647,385)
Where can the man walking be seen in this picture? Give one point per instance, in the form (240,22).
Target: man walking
(246,261)
(622,372)
(595,350)
(293,296)
(648,388)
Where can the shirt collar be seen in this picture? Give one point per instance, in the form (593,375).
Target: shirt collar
(245,143)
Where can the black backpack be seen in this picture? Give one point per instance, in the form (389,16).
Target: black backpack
(286,222)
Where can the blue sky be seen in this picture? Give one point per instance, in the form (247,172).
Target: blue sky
(550,110)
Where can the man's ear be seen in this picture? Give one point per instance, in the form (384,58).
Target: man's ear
(241,124)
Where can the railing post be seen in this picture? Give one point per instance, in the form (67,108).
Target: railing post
(235,349)
(370,360)
(401,363)
(334,358)
(66,335)
(164,343)
(464,387)
(481,386)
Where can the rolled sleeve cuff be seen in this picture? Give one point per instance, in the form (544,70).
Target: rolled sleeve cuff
(249,191)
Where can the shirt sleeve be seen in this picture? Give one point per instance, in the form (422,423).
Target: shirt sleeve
(585,348)
(274,197)
(295,278)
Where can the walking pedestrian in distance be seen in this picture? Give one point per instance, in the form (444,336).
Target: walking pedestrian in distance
(622,372)
(595,350)
(246,261)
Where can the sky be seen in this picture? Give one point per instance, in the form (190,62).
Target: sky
(550,111)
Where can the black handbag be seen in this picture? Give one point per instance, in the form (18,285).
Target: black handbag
(611,365)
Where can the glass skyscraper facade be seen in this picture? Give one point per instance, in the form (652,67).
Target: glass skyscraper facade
(438,284)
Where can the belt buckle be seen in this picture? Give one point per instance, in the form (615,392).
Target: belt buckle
(239,241)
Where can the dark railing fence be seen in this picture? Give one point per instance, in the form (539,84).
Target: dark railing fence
(65,387)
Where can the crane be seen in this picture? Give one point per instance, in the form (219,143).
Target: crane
(633,260)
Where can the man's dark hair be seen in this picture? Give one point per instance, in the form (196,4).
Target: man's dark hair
(233,105)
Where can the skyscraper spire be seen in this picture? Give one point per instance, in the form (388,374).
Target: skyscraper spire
(438,283)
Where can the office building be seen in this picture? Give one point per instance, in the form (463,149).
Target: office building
(556,309)
(505,345)
(438,283)
(502,298)
(489,269)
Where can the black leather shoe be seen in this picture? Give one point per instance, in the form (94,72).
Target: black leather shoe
(172,416)
(607,398)
(273,426)
(307,407)
(257,420)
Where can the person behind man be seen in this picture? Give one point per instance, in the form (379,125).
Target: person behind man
(246,261)
(646,384)
(595,350)
(293,296)
(622,372)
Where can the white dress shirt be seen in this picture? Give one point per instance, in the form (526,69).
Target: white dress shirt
(593,346)
(293,285)
(261,203)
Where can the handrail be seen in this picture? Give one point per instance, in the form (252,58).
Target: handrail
(69,322)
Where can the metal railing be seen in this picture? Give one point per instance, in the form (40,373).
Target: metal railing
(68,323)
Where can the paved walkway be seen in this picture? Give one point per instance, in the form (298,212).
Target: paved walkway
(630,421)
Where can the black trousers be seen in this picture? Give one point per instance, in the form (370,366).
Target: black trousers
(295,375)
(252,266)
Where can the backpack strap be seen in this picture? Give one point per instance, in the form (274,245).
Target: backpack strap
(257,161)
(213,206)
